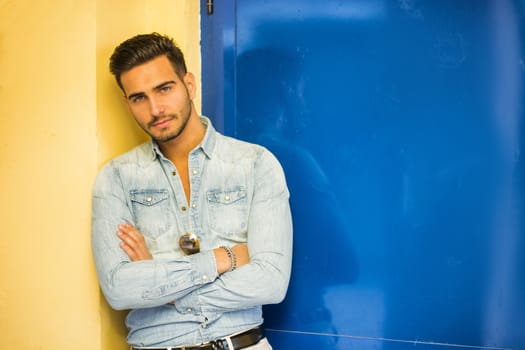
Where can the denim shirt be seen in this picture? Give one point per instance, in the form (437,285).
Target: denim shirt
(238,195)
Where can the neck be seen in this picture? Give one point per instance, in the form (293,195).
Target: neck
(180,147)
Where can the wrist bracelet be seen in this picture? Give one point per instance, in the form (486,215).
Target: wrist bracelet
(232,257)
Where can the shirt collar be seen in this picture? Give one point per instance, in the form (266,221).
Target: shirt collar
(206,145)
(208,141)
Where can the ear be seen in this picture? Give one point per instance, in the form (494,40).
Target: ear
(191,85)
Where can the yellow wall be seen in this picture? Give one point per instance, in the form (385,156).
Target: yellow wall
(61,118)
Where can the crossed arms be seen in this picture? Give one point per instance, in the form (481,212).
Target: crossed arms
(131,279)
(134,245)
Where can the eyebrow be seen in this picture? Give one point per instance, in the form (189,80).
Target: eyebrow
(157,87)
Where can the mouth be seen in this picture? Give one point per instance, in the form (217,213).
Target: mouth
(161,123)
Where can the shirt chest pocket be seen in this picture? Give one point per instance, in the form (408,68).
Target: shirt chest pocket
(151,211)
(228,212)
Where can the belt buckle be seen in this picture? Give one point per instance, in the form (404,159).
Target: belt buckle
(219,345)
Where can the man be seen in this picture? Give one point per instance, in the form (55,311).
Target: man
(192,231)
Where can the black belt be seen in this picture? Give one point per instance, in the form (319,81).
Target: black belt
(239,341)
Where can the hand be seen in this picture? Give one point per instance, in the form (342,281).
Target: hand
(240,251)
(241,254)
(133,243)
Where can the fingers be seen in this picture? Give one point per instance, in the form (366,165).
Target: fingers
(222,261)
(133,243)
(241,254)
(130,233)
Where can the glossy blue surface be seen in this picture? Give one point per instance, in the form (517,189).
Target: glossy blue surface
(399,125)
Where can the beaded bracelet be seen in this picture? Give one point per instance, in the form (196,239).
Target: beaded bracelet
(233,258)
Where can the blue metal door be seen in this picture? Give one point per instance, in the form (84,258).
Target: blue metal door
(399,125)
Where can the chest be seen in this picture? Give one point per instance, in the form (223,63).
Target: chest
(210,199)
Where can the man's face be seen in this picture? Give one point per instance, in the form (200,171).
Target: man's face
(158,99)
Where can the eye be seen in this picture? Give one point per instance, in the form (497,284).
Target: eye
(137,99)
(165,88)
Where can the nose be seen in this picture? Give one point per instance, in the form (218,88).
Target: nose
(156,107)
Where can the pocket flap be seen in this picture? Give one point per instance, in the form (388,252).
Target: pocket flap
(149,197)
(226,197)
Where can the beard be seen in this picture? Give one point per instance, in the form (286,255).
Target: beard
(184,117)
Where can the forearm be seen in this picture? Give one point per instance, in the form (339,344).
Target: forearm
(252,285)
(148,283)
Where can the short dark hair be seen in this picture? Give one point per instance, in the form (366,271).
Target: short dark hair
(143,48)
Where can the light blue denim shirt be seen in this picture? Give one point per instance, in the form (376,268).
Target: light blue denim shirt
(238,195)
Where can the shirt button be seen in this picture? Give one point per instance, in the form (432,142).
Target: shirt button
(183,208)
(195,172)
(194,206)
(205,323)
(174,173)
(227,198)
(189,309)
(149,199)
(204,277)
